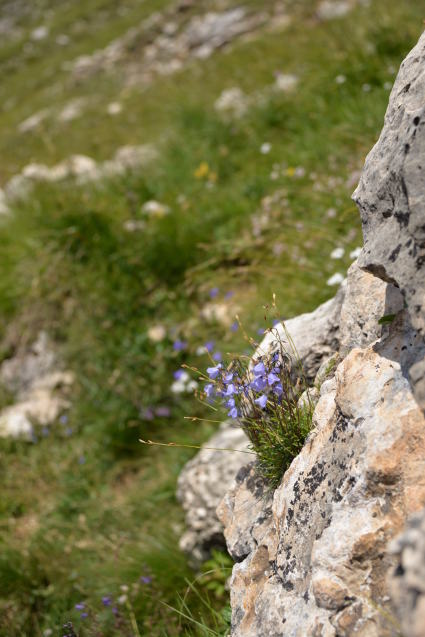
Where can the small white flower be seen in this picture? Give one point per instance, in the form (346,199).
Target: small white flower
(184,377)
(354,254)
(178,387)
(39,33)
(192,386)
(338,253)
(366,88)
(201,350)
(124,588)
(335,279)
(114,108)
(157,333)
(331,213)
(340,79)
(155,208)
(265,148)
(122,599)
(48,632)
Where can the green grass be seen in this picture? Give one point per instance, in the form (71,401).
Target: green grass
(87,512)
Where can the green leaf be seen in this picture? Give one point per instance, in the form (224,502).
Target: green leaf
(388,318)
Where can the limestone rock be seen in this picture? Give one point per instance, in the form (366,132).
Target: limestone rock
(316,564)
(34,376)
(391,195)
(407,581)
(367,300)
(201,486)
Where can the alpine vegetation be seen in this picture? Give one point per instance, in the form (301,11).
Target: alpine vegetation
(270,399)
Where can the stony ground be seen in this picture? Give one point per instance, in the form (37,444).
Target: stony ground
(163,167)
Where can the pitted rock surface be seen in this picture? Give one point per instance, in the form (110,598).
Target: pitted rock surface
(391,197)
(201,486)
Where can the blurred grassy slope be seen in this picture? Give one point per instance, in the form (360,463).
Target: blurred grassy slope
(86,509)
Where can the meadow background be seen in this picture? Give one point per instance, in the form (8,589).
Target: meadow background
(252,198)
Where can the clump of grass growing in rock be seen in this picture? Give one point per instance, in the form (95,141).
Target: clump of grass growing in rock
(268,395)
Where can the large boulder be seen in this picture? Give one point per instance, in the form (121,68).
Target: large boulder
(391,197)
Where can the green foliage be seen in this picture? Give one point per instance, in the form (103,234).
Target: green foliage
(86,509)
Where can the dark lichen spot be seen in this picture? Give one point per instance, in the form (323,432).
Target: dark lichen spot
(394,254)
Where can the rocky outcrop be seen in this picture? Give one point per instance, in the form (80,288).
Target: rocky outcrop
(201,486)
(407,581)
(391,198)
(79,167)
(317,558)
(326,554)
(313,561)
(33,376)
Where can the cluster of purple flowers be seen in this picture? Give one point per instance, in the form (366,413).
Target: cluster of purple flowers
(261,384)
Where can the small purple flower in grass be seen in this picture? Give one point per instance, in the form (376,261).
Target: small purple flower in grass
(272,378)
(179,345)
(84,615)
(230,390)
(115,610)
(63,419)
(261,401)
(233,413)
(178,374)
(228,377)
(106,600)
(276,322)
(209,346)
(213,372)
(147,414)
(163,411)
(278,390)
(145,579)
(259,369)
(230,403)
(234,327)
(209,389)
(260,331)
(217,356)
(80,606)
(229,295)
(214,292)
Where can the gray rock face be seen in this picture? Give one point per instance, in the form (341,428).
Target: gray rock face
(201,486)
(407,581)
(391,196)
(367,300)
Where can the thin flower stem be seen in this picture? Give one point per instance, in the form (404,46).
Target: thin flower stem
(177,444)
